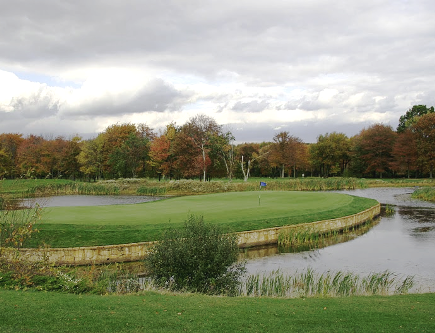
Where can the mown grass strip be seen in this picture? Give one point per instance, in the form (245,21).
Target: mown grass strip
(154,312)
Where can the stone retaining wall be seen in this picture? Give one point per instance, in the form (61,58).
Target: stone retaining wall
(270,235)
(138,251)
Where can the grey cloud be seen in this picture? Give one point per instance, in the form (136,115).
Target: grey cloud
(252,106)
(41,103)
(262,40)
(156,95)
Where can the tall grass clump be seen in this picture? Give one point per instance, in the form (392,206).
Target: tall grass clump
(199,257)
(316,184)
(145,190)
(424,193)
(310,284)
(17,225)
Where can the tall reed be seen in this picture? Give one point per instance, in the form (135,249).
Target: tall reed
(71,188)
(329,284)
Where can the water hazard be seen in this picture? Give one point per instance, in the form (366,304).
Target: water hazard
(87,200)
(403,243)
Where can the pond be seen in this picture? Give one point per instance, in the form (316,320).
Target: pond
(87,200)
(403,243)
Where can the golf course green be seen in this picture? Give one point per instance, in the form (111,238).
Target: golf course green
(235,211)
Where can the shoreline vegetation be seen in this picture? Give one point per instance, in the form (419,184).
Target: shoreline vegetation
(27,188)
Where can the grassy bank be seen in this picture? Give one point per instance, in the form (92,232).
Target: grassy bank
(154,312)
(117,224)
(424,193)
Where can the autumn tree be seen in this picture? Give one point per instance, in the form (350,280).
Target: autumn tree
(201,130)
(405,153)
(9,144)
(29,157)
(189,158)
(285,152)
(412,116)
(162,150)
(424,130)
(375,148)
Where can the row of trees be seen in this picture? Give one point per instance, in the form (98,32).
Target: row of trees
(202,149)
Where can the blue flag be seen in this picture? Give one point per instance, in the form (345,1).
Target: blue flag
(262,184)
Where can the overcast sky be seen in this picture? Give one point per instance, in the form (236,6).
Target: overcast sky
(257,67)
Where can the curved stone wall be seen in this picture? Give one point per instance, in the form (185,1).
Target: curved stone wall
(138,251)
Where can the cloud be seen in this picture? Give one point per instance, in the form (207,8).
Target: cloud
(305,66)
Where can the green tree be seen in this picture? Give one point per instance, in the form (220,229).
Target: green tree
(91,157)
(200,258)
(412,115)
(127,159)
(331,153)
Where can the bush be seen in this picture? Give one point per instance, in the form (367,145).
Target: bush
(199,258)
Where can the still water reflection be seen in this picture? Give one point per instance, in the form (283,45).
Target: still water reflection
(403,243)
(87,200)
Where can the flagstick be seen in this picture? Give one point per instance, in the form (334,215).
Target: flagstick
(259,195)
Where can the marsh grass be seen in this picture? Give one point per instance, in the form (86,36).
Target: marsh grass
(153,191)
(71,188)
(329,284)
(389,210)
(424,193)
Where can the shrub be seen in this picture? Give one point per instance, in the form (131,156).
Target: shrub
(199,257)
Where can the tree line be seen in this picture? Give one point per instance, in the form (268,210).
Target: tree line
(201,149)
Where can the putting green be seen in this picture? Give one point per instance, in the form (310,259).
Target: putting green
(236,211)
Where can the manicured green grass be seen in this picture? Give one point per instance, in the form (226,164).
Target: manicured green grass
(153,312)
(235,211)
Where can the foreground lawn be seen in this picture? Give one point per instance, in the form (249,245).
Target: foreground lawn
(152,312)
(240,211)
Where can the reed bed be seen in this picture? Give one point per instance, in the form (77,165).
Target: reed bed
(329,284)
(152,191)
(71,189)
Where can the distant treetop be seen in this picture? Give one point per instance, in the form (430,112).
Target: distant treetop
(412,115)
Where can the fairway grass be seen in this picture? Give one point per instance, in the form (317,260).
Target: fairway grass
(235,211)
(29,311)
